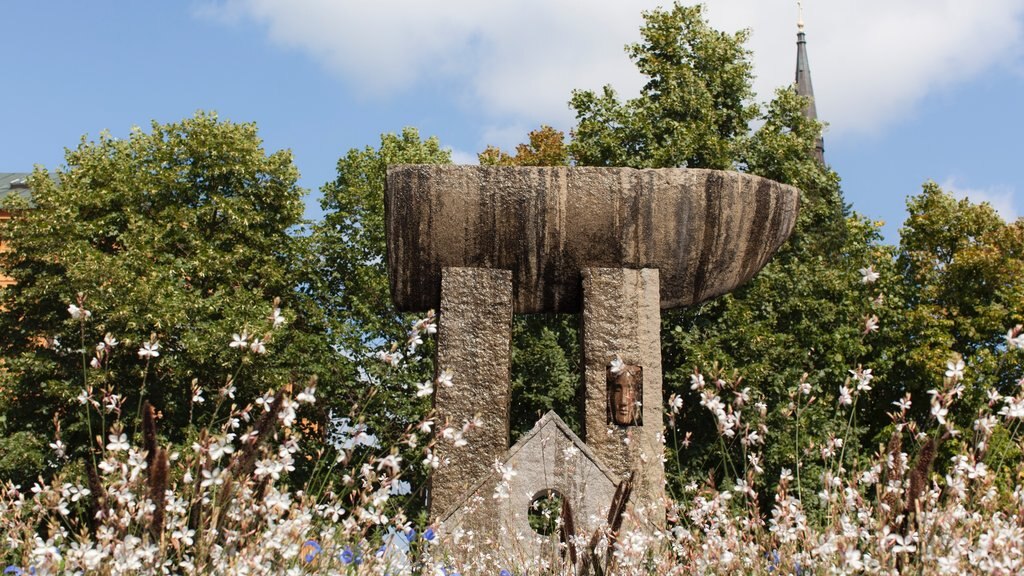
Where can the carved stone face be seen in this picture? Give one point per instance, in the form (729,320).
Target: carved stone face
(624,394)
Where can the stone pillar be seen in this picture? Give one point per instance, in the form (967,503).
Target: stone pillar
(622,317)
(474,341)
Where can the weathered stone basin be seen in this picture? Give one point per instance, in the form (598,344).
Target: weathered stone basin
(706,231)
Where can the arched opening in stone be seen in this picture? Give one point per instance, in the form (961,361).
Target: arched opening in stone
(545,509)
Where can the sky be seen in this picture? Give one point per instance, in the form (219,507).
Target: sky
(912,90)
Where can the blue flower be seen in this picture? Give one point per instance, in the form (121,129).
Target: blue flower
(774,558)
(348,557)
(410,535)
(428,535)
(311,549)
(504,573)
(14,570)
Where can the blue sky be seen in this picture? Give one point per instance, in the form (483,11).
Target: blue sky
(913,89)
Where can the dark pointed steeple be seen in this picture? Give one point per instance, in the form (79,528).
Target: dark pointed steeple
(803,82)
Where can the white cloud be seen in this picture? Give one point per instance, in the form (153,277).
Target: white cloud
(461,157)
(871,60)
(999,197)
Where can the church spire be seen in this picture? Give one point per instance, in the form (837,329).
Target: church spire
(803,81)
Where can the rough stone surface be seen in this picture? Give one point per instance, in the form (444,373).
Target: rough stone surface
(549,457)
(475,343)
(707,231)
(621,317)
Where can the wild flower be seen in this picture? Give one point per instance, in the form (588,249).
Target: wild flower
(868,275)
(276,318)
(258,346)
(424,389)
(445,378)
(149,350)
(955,369)
(78,313)
(870,324)
(240,341)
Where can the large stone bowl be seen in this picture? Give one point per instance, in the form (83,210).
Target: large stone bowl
(706,231)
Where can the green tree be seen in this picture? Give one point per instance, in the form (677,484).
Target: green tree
(960,274)
(349,282)
(694,110)
(180,234)
(803,313)
(546,147)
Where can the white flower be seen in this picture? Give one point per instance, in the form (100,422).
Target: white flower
(1015,337)
(903,403)
(955,370)
(424,389)
(240,341)
(78,313)
(696,381)
(95,363)
(392,358)
(871,324)
(675,403)
(844,396)
(266,400)
(445,378)
(258,346)
(276,319)
(414,341)
(431,461)
(903,544)
(977,471)
(1014,408)
(868,275)
(863,377)
(58,448)
(425,426)
(506,471)
(307,396)
(391,462)
(617,365)
(149,349)
(118,443)
(109,340)
(219,450)
(212,478)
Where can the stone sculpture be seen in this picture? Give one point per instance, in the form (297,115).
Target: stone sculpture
(615,245)
(625,389)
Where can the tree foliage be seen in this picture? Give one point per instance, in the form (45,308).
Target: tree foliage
(181,234)
(546,147)
(693,111)
(349,283)
(950,289)
(803,312)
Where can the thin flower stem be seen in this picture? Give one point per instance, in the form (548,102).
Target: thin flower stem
(142,393)
(85,387)
(799,487)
